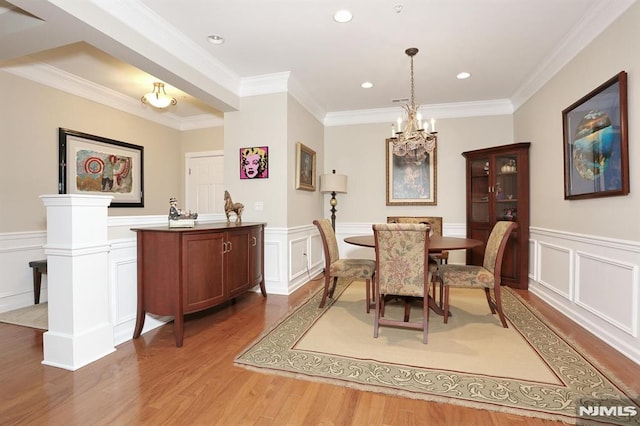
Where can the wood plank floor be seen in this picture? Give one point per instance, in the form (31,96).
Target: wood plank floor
(150,381)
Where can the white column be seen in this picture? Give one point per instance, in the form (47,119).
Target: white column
(77,252)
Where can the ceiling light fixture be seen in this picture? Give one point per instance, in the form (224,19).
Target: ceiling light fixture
(215,39)
(463,75)
(413,139)
(342,16)
(158,98)
(367,85)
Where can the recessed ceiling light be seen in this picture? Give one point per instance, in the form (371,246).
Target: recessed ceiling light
(463,75)
(367,85)
(342,16)
(215,39)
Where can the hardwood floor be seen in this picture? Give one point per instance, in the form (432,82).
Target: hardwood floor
(150,381)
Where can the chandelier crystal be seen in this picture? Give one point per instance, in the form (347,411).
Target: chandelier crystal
(413,141)
(158,97)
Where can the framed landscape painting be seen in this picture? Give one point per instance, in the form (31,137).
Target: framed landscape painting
(305,168)
(596,152)
(90,164)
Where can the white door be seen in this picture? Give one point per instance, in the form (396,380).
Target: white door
(205,184)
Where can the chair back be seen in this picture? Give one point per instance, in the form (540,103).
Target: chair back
(402,252)
(496,245)
(329,241)
(435,222)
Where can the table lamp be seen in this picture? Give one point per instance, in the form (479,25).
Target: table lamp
(334,184)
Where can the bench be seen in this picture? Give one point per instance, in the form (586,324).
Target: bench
(39,268)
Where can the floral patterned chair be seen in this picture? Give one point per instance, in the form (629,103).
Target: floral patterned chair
(402,269)
(435,259)
(486,276)
(357,269)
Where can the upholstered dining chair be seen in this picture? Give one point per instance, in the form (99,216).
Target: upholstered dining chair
(335,267)
(486,276)
(435,259)
(402,269)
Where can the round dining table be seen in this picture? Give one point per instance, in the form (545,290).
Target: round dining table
(437,243)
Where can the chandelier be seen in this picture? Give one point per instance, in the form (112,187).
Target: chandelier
(413,141)
(158,97)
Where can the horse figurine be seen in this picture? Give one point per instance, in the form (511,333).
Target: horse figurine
(230,206)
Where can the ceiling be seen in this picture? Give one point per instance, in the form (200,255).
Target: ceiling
(113,50)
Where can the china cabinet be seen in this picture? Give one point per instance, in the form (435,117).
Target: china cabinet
(498,189)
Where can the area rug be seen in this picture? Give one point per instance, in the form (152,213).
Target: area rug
(527,369)
(35,316)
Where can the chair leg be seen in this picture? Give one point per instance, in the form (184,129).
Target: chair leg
(487,293)
(368,297)
(325,292)
(496,291)
(425,319)
(446,304)
(333,287)
(379,301)
(407,308)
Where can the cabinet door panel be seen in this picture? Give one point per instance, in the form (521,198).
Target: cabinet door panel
(203,271)
(237,274)
(255,256)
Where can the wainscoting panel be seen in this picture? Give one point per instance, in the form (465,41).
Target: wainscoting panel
(298,249)
(17,249)
(593,281)
(613,283)
(555,268)
(316,252)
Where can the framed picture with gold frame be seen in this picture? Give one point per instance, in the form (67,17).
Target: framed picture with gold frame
(411,180)
(305,167)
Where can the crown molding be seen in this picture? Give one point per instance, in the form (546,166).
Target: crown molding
(278,83)
(596,21)
(58,79)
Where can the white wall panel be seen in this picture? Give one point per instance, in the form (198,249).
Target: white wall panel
(555,268)
(606,283)
(593,281)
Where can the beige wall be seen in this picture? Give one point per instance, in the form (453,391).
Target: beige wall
(302,206)
(540,121)
(30,121)
(359,152)
(261,121)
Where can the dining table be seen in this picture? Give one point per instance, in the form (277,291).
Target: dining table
(437,243)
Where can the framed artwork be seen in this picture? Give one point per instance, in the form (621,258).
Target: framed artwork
(411,180)
(596,151)
(254,162)
(305,168)
(95,165)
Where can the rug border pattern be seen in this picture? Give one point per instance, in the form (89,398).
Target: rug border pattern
(580,380)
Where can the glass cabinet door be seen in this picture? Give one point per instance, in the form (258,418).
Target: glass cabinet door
(505,190)
(479,175)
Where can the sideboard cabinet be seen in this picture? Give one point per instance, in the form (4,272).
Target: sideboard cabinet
(498,189)
(186,270)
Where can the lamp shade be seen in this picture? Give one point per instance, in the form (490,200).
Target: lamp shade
(333,183)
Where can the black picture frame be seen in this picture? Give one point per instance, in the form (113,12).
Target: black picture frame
(94,165)
(595,142)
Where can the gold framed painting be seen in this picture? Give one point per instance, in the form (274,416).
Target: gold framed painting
(411,180)
(305,167)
